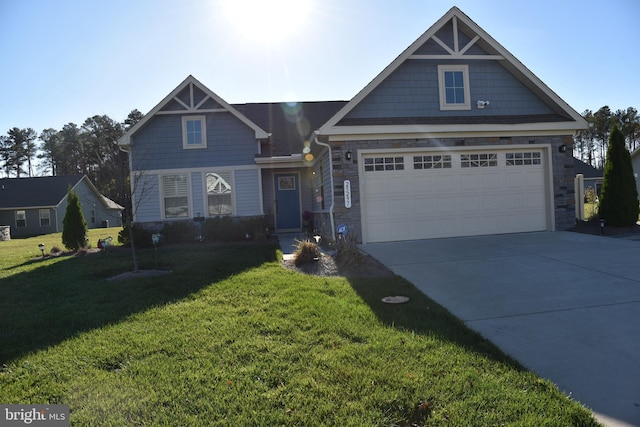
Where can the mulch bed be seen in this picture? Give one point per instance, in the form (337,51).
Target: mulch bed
(593,227)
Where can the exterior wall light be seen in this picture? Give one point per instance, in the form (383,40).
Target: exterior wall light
(562,148)
(347,155)
(482,104)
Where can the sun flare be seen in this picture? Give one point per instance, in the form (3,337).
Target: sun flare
(266,21)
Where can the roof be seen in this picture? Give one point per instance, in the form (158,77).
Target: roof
(190,96)
(565,117)
(41,192)
(585,169)
(289,123)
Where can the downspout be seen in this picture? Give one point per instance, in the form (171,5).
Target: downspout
(324,144)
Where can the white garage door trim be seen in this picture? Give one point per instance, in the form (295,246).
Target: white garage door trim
(423,193)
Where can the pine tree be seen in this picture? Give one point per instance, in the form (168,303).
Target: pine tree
(74,227)
(619,196)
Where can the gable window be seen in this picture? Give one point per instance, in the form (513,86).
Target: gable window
(45,217)
(194,132)
(21,219)
(219,193)
(453,82)
(175,196)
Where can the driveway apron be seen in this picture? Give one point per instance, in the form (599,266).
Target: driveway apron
(565,305)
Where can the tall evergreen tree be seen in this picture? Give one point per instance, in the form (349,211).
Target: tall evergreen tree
(619,195)
(74,227)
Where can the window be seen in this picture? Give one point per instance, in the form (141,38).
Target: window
(45,217)
(175,196)
(523,159)
(21,219)
(482,160)
(194,132)
(383,164)
(219,194)
(432,162)
(453,81)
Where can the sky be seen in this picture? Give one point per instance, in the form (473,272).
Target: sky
(64,61)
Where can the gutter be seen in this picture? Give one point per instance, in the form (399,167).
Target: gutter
(324,144)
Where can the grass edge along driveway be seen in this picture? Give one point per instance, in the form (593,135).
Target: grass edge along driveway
(232,338)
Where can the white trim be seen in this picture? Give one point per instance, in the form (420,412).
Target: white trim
(458,55)
(203,128)
(125,140)
(444,106)
(179,171)
(579,121)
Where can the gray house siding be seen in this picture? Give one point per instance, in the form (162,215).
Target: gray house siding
(146,201)
(412,91)
(158,146)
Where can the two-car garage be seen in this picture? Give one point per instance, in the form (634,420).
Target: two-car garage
(433,193)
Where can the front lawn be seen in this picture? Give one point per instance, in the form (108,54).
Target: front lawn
(231,338)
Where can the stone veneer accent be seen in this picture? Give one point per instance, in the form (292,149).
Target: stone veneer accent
(5,233)
(562,164)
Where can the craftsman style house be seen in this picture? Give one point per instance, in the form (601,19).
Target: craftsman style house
(455,137)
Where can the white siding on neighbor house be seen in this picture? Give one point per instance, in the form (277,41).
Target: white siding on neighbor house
(247,192)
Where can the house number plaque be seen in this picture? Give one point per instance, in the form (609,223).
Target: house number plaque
(347,193)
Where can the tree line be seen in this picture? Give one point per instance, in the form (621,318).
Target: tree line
(90,149)
(591,144)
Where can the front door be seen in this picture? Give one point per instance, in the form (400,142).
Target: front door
(287,200)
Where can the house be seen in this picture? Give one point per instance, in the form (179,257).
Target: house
(592,177)
(33,206)
(456,137)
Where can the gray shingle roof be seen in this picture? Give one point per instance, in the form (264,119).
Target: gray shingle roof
(35,192)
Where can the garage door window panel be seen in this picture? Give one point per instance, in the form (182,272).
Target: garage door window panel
(523,159)
(378,164)
(432,162)
(480,160)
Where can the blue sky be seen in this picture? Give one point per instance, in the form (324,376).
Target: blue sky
(63,61)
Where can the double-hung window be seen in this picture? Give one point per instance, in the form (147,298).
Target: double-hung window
(21,219)
(453,82)
(45,217)
(175,196)
(219,193)
(194,132)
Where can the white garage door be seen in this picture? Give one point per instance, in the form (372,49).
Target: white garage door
(420,195)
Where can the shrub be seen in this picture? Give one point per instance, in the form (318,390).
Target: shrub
(141,236)
(74,227)
(179,232)
(348,253)
(228,229)
(306,252)
(619,195)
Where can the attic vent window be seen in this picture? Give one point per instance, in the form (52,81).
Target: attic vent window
(453,83)
(194,132)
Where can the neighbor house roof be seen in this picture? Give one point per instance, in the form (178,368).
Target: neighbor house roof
(290,124)
(41,192)
(585,169)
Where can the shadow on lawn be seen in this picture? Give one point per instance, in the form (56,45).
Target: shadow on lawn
(422,315)
(56,301)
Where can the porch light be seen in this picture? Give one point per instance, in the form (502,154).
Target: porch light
(41,247)
(347,155)
(562,148)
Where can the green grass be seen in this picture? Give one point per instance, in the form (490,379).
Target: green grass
(231,338)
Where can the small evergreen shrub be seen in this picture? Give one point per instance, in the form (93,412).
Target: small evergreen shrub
(179,232)
(619,196)
(306,252)
(141,236)
(74,227)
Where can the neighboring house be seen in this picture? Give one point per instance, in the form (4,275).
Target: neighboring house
(33,206)
(455,137)
(592,177)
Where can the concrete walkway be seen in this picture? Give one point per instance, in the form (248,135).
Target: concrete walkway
(566,305)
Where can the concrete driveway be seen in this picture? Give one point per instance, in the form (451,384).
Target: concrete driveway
(566,305)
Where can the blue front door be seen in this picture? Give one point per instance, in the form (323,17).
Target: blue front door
(287,201)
